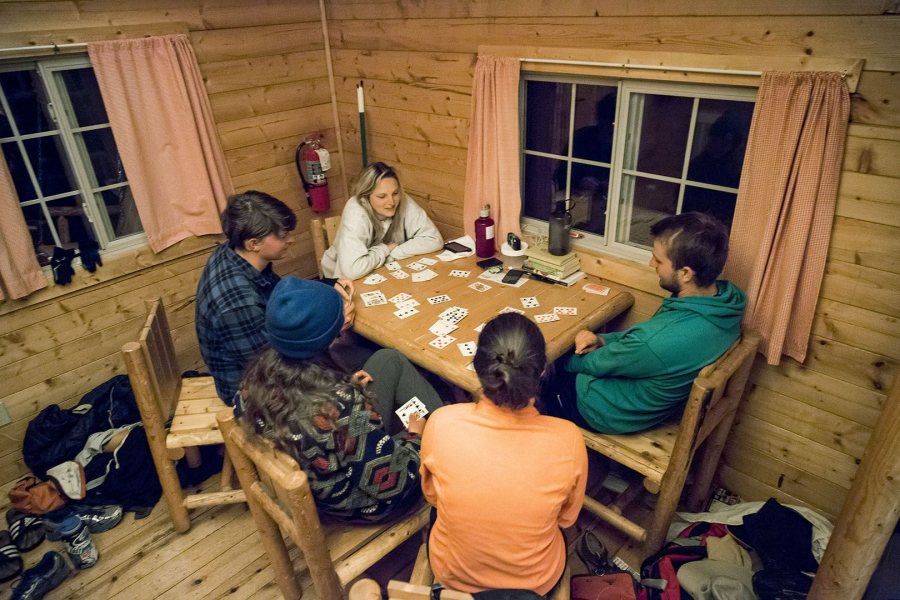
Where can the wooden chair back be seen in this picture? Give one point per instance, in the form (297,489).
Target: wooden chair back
(280,500)
(152,361)
(664,454)
(323,232)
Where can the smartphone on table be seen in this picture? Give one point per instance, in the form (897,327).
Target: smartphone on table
(489,262)
(512,276)
(456,247)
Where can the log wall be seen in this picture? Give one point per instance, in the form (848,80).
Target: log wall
(803,428)
(266,75)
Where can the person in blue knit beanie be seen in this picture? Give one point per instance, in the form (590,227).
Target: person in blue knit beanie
(334,423)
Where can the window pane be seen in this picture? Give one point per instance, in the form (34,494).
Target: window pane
(41,236)
(47,157)
(104,156)
(540,189)
(590,187)
(652,200)
(595,113)
(720,139)
(659,145)
(26,101)
(122,212)
(72,225)
(85,96)
(547,116)
(713,202)
(19,173)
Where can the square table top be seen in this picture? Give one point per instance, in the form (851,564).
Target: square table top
(411,336)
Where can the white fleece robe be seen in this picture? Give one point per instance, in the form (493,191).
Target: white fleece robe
(353,253)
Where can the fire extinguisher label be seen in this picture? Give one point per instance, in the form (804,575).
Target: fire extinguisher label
(324,158)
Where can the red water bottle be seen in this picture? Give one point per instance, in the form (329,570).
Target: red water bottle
(484,233)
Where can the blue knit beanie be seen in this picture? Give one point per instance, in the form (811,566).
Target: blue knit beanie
(303,317)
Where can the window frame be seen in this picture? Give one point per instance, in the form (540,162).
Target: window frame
(62,114)
(626,88)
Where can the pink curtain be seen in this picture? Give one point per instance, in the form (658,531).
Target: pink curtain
(782,222)
(20,272)
(163,126)
(492,172)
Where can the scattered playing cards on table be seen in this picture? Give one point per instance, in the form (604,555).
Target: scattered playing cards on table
(459,273)
(401,297)
(438,299)
(595,288)
(454,314)
(393,265)
(423,275)
(479,287)
(442,341)
(509,309)
(399,274)
(416,266)
(412,302)
(442,327)
(467,348)
(373,298)
(374,278)
(479,328)
(565,310)
(546,318)
(404,313)
(427,261)
(529,302)
(414,405)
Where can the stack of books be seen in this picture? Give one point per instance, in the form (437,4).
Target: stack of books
(542,265)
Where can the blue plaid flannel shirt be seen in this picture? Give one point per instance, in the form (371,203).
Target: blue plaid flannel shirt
(231,316)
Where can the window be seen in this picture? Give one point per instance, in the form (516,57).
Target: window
(628,153)
(60,152)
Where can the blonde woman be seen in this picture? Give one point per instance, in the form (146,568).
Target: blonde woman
(378,222)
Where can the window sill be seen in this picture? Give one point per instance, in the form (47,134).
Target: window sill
(116,265)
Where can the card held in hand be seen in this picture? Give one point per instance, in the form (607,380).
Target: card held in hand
(413,405)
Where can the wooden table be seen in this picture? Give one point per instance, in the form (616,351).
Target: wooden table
(411,335)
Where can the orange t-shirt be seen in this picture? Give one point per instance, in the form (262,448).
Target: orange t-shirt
(503,483)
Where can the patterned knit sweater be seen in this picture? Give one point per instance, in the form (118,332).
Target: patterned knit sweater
(356,471)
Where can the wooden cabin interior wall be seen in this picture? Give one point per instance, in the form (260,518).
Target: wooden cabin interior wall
(803,427)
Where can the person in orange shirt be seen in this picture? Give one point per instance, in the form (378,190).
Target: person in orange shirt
(503,478)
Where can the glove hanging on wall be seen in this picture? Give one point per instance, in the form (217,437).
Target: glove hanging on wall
(61,263)
(89,251)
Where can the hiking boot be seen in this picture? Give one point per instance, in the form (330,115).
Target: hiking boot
(42,577)
(97,518)
(594,555)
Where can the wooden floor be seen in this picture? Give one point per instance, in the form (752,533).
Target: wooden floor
(220,557)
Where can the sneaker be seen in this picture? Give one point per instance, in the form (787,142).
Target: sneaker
(594,555)
(42,577)
(97,518)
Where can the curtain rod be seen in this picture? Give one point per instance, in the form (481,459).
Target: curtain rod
(589,63)
(54,47)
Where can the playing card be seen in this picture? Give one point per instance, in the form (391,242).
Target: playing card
(546,318)
(399,274)
(405,313)
(467,348)
(413,405)
(423,275)
(442,327)
(438,299)
(401,297)
(479,328)
(479,287)
(454,314)
(565,310)
(427,261)
(373,298)
(459,273)
(509,309)
(529,302)
(416,266)
(412,302)
(392,266)
(471,366)
(442,341)
(374,278)
(594,288)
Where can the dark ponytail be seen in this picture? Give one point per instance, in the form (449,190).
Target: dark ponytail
(510,360)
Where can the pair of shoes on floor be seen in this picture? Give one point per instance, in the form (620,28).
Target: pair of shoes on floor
(10,560)
(594,555)
(42,577)
(26,531)
(97,518)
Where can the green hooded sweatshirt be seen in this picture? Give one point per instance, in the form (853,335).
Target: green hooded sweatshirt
(643,376)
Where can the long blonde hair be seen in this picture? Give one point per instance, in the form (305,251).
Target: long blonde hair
(368,180)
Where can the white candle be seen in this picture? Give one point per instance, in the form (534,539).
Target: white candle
(359,98)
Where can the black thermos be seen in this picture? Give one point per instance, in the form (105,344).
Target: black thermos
(560,226)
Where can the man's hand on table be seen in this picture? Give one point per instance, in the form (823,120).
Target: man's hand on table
(587,341)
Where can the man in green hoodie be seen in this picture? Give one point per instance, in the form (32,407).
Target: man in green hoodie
(632,380)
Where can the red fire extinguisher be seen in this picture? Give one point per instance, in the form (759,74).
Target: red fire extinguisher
(312,162)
